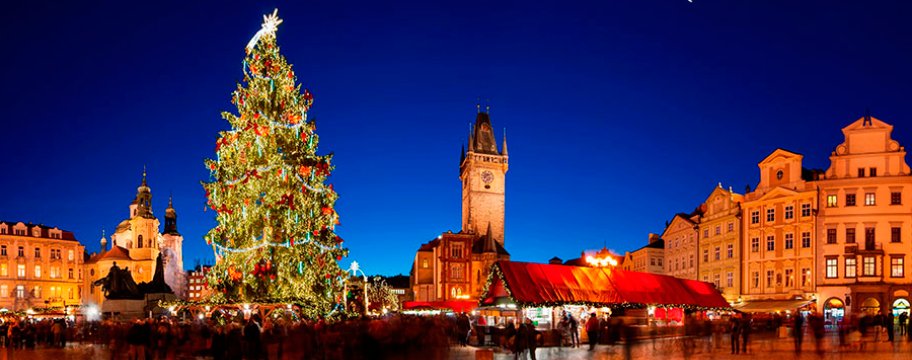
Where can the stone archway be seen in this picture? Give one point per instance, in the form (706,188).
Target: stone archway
(900,306)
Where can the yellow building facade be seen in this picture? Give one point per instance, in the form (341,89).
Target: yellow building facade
(719,247)
(865,224)
(649,258)
(680,253)
(779,231)
(40,267)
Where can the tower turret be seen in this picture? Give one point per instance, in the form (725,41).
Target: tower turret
(171,218)
(483,174)
(142,204)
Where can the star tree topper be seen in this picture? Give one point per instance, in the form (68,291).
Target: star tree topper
(270,24)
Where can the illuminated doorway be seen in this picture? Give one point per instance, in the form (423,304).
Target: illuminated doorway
(900,306)
(833,311)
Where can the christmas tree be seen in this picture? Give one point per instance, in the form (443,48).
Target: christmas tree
(275,239)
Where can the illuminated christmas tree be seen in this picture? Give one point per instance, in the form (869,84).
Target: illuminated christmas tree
(275,238)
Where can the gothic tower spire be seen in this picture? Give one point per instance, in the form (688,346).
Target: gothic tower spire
(483,175)
(171,218)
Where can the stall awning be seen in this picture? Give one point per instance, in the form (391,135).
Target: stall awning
(531,284)
(765,306)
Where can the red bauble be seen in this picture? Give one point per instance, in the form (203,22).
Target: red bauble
(338,257)
(328,276)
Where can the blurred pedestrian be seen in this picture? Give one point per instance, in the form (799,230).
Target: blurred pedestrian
(734,326)
(798,331)
(592,330)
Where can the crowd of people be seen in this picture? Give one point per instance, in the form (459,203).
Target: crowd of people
(251,338)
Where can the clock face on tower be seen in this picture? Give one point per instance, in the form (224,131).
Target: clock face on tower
(487,177)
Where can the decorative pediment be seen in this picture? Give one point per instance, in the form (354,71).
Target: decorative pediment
(778,192)
(781,155)
(873,124)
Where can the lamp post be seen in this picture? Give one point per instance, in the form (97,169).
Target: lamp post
(355,268)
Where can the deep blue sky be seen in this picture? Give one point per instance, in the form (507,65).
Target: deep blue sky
(618,113)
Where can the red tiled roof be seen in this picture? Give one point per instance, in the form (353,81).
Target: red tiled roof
(116,253)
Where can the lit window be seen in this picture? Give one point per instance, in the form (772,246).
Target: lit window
(869,199)
(20,271)
(805,277)
(831,201)
(755,244)
(755,279)
(70,255)
(789,277)
(851,266)
(4,291)
(37,271)
(20,291)
(729,279)
(424,263)
(769,278)
(896,267)
(832,268)
(869,266)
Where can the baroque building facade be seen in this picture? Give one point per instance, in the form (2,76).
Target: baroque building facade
(136,244)
(40,266)
(720,242)
(649,258)
(779,230)
(455,266)
(865,223)
(680,237)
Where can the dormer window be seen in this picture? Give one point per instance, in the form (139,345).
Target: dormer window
(36,231)
(779,175)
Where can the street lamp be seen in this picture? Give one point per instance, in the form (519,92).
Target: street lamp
(355,268)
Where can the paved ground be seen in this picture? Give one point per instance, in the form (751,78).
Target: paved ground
(762,347)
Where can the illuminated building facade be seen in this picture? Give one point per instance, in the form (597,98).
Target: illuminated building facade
(779,231)
(455,266)
(719,248)
(865,224)
(649,258)
(40,266)
(681,245)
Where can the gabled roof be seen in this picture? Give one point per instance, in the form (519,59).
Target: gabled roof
(658,244)
(780,152)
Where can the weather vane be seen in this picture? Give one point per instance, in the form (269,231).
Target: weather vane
(270,24)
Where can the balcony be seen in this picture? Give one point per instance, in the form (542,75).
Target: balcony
(868,248)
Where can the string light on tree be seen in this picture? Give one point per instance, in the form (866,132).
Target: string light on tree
(275,241)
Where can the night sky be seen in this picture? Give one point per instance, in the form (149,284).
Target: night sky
(618,113)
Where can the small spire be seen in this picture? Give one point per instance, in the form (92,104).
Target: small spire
(505,143)
(144,175)
(471,139)
(720,184)
(867,117)
(170,198)
(478,107)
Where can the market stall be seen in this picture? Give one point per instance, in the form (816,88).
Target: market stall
(545,292)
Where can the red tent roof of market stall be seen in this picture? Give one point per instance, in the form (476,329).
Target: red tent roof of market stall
(531,284)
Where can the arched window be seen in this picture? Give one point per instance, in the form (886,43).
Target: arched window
(139,241)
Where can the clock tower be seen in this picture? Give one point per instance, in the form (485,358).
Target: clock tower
(483,170)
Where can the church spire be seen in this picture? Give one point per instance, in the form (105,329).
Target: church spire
(489,245)
(171,218)
(143,200)
(504,149)
(471,139)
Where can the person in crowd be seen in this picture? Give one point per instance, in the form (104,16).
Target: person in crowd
(746,324)
(252,339)
(798,331)
(734,327)
(629,340)
(508,336)
(903,317)
(574,331)
(592,330)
